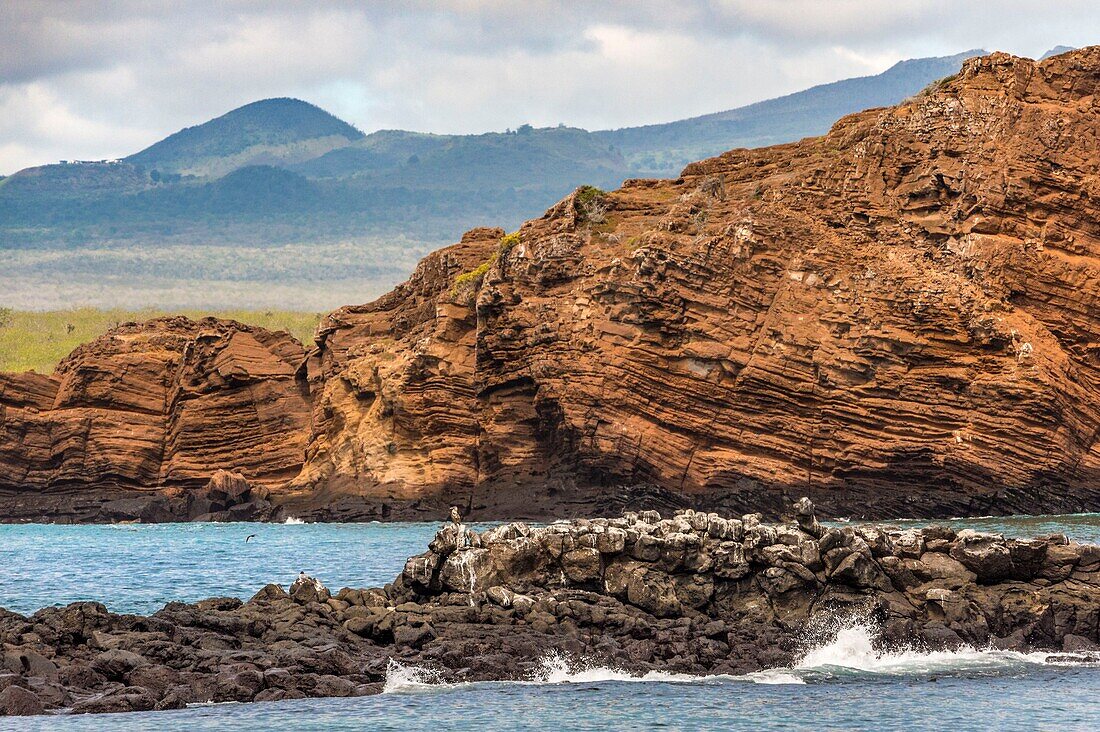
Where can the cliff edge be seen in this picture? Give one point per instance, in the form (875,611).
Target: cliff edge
(899,318)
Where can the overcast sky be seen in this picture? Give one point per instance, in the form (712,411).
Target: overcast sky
(90,80)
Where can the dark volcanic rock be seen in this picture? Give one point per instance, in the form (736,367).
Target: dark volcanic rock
(696,593)
(16,701)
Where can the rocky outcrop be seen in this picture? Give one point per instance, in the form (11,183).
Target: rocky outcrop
(696,593)
(138,424)
(899,318)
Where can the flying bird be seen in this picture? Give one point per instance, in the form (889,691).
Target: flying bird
(249,538)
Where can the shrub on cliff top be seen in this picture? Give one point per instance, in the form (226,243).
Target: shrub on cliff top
(588,202)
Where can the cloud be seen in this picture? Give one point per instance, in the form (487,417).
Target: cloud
(93,80)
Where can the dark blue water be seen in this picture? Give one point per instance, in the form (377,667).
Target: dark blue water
(844,685)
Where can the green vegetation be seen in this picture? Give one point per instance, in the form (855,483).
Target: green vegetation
(472,279)
(474,275)
(38,340)
(588,196)
(589,204)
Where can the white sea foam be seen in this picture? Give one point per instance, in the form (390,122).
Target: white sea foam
(850,654)
(408,678)
(556,668)
(853,651)
(292,521)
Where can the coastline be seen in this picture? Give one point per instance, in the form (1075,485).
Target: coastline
(220,501)
(693,594)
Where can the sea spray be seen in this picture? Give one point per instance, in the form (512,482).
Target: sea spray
(849,656)
(852,652)
(406,677)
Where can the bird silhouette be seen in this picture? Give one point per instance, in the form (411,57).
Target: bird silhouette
(249,538)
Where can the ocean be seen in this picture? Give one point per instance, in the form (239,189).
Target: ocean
(844,684)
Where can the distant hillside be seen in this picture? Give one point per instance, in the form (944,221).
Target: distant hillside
(285,173)
(1057,51)
(525,158)
(666,148)
(271,131)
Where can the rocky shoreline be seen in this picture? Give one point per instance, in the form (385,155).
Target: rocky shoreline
(695,593)
(228,496)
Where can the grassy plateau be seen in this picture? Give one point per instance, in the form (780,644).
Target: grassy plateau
(37,340)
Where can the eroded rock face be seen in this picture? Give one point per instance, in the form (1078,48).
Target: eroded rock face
(898,318)
(169,404)
(695,593)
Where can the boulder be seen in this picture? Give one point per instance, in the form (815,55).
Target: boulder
(16,701)
(308,589)
(117,664)
(582,565)
(986,555)
(806,517)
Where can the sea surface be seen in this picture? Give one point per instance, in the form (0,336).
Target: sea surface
(844,684)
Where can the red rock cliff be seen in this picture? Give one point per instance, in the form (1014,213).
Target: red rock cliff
(900,317)
(156,405)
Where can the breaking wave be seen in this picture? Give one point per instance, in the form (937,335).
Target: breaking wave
(850,654)
(401,677)
(292,521)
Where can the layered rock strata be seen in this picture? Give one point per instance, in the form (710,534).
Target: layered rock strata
(900,318)
(140,422)
(696,593)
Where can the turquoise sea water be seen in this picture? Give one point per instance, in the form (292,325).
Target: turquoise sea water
(844,685)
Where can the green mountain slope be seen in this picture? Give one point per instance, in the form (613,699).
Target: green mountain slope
(271,131)
(666,148)
(524,158)
(282,175)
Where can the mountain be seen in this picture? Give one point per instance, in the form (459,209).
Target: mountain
(665,148)
(268,132)
(284,173)
(1056,51)
(897,319)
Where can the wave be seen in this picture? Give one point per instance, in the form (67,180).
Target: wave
(557,668)
(849,655)
(405,678)
(292,521)
(852,653)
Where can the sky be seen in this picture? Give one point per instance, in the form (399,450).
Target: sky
(93,80)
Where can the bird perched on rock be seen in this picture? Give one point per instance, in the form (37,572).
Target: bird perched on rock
(456,517)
